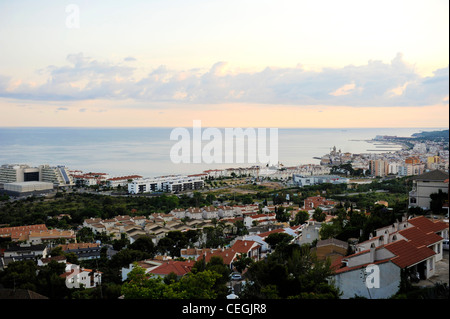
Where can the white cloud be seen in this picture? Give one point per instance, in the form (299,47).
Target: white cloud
(373,84)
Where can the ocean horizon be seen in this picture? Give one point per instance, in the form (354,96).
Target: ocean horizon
(121,151)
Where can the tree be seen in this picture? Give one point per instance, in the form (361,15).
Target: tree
(294,273)
(242,262)
(278,239)
(191,286)
(437,200)
(281,215)
(144,244)
(300,218)
(319,215)
(118,244)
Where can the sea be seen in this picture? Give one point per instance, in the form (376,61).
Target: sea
(146,151)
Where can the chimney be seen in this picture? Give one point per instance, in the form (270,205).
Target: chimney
(372,254)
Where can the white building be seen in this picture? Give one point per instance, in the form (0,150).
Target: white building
(174,183)
(425,185)
(304,180)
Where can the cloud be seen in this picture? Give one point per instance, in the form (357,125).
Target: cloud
(374,84)
(129,59)
(62,109)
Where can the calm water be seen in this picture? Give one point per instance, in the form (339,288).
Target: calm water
(146,151)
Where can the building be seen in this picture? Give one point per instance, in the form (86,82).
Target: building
(259,219)
(386,263)
(19,252)
(35,234)
(57,175)
(316,201)
(330,249)
(13,173)
(83,251)
(413,246)
(77,277)
(304,180)
(171,184)
(179,268)
(379,168)
(27,188)
(426,184)
(121,181)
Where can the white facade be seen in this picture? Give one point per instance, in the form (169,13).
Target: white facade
(176,183)
(353,282)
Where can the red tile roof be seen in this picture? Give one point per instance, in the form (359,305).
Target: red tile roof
(244,246)
(338,262)
(227,255)
(420,238)
(267,233)
(407,254)
(428,225)
(180,268)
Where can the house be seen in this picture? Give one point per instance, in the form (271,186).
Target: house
(331,248)
(382,266)
(46,261)
(38,237)
(260,219)
(147,265)
(20,294)
(314,202)
(426,184)
(310,233)
(121,181)
(83,251)
(19,252)
(20,233)
(77,277)
(194,213)
(178,213)
(413,245)
(194,253)
(179,268)
(419,230)
(210,212)
(226,211)
(249,247)
(139,220)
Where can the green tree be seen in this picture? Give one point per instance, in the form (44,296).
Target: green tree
(242,262)
(276,240)
(319,215)
(300,218)
(191,286)
(144,244)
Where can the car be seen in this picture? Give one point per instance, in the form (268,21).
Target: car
(445,244)
(236,276)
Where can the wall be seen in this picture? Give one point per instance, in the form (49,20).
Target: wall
(351,283)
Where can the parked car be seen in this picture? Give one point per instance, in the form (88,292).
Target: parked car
(236,276)
(445,244)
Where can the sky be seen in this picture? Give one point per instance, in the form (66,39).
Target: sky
(243,63)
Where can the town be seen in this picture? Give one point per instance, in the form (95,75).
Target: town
(306,231)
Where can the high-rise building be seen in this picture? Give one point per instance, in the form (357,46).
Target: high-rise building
(17,173)
(56,175)
(12,173)
(379,168)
